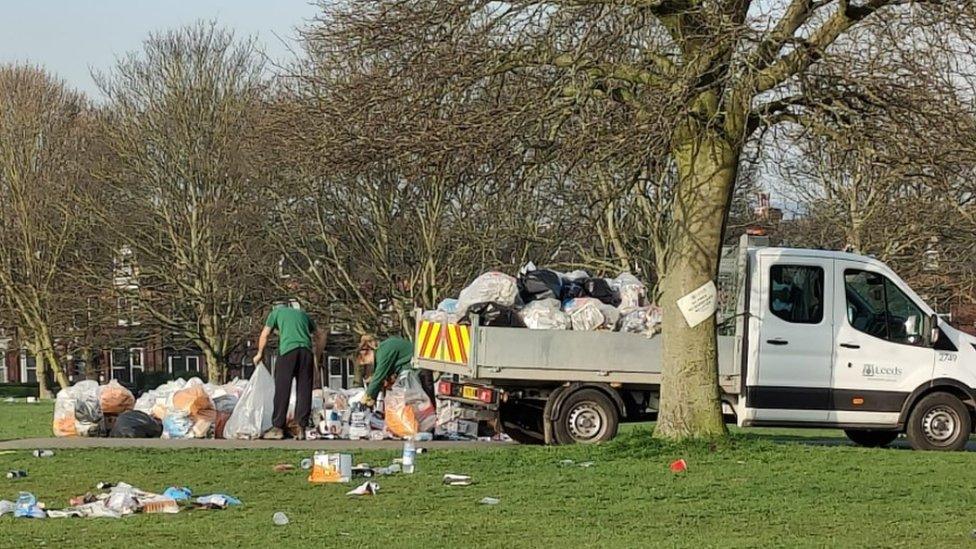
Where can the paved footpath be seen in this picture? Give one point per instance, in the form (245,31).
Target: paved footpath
(169,444)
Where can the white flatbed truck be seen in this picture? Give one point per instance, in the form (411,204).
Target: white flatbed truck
(812,338)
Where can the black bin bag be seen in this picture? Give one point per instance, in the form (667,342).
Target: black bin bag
(495,315)
(136,424)
(599,288)
(539,284)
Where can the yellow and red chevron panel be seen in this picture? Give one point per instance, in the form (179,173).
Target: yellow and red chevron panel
(443,341)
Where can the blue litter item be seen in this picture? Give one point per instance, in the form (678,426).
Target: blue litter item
(26,507)
(179,493)
(448,305)
(177,425)
(220,500)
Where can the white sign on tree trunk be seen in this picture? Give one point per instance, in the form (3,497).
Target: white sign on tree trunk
(699,304)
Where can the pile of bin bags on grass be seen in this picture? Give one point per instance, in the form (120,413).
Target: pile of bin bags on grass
(242,410)
(115,501)
(544,299)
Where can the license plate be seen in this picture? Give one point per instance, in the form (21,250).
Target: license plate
(470,392)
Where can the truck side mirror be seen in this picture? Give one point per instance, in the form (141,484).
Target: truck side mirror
(934,328)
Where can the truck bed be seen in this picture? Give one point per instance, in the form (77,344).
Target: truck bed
(520,354)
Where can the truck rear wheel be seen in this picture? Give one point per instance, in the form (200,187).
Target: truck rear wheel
(939,421)
(585,417)
(870,438)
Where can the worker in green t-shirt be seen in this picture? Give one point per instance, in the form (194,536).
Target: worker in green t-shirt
(296,331)
(389,359)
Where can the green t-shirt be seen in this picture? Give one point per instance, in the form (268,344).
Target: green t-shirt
(392,356)
(294,328)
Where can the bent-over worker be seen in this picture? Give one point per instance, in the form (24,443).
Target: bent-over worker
(389,359)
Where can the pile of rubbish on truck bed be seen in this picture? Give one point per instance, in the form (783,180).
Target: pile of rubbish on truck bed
(242,409)
(116,501)
(544,299)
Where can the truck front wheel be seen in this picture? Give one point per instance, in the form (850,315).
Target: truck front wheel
(871,439)
(939,421)
(585,417)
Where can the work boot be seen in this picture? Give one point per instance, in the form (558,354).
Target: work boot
(273,433)
(296,432)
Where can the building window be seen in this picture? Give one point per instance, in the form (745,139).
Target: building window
(128,364)
(28,368)
(339,369)
(182,364)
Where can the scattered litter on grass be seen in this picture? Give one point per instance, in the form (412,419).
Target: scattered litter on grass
(587,464)
(364,489)
(283,467)
(457,480)
(28,507)
(566,462)
(216,501)
(280,519)
(105,485)
(179,493)
(17,474)
(489,501)
(306,464)
(43,453)
(115,502)
(740,462)
(678,466)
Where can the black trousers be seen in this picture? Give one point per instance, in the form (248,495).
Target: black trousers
(297,365)
(427,382)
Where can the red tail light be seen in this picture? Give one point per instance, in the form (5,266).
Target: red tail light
(486,395)
(444,388)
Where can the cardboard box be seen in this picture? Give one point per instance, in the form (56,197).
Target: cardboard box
(329,468)
(459,427)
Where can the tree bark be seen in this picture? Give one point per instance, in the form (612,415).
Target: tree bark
(690,404)
(40,371)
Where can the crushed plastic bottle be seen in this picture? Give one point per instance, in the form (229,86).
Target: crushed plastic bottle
(17,474)
(409,454)
(280,519)
(43,453)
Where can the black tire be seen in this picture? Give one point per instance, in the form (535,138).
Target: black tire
(587,416)
(870,438)
(939,421)
(520,421)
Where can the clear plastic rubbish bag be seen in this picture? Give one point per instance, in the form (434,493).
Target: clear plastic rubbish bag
(585,313)
(491,287)
(252,415)
(408,410)
(545,314)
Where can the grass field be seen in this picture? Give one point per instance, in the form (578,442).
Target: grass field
(21,420)
(760,489)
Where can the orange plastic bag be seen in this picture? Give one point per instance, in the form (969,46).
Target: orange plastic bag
(407,408)
(195,401)
(115,399)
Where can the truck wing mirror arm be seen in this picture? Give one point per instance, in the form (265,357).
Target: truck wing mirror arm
(934,331)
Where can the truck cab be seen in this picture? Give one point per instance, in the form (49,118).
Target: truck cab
(833,339)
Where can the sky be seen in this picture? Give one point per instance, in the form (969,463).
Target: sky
(73,37)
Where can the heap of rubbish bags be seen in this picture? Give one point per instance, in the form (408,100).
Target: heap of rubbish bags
(545,299)
(116,501)
(242,409)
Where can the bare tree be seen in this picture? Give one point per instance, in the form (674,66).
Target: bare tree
(712,72)
(42,152)
(183,211)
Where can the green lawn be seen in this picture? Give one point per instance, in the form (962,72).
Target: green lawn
(762,488)
(22,420)
(756,490)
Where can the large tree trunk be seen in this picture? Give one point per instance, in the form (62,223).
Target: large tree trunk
(690,405)
(40,371)
(214,368)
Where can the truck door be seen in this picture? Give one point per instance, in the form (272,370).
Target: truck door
(882,352)
(795,340)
